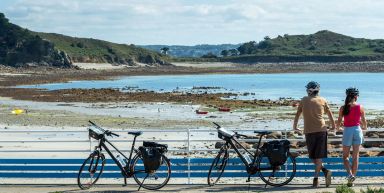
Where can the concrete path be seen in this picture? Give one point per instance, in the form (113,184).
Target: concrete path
(302,188)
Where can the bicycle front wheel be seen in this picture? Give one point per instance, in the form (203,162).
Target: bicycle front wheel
(90,171)
(153,180)
(276,175)
(217,167)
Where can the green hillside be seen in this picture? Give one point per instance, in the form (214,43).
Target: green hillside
(321,43)
(98,51)
(20,47)
(323,46)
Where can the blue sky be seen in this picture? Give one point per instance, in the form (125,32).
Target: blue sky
(191,22)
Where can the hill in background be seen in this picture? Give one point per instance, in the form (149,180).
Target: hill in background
(320,43)
(98,51)
(20,47)
(191,51)
(323,46)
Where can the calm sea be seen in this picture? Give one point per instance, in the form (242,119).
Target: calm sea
(259,86)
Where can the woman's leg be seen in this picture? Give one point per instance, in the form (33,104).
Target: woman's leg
(355,159)
(347,166)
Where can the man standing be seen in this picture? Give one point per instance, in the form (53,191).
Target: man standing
(313,108)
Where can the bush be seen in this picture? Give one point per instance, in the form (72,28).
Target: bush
(209,55)
(373,190)
(344,189)
(380,50)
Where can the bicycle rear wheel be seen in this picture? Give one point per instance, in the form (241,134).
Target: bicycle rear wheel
(217,167)
(90,171)
(277,175)
(155,179)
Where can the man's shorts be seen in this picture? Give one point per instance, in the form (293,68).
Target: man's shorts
(353,136)
(317,144)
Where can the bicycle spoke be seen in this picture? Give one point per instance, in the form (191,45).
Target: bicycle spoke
(154,179)
(217,167)
(90,171)
(277,175)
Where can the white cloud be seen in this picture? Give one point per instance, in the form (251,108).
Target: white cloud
(198,21)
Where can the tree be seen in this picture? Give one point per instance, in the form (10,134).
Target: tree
(233,52)
(224,53)
(164,50)
(266,44)
(247,48)
(209,55)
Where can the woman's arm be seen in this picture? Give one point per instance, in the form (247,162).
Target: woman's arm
(330,116)
(363,120)
(338,123)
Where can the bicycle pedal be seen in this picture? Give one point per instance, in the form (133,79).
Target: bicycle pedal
(124,185)
(248,180)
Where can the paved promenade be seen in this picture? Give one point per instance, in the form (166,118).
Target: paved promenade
(302,188)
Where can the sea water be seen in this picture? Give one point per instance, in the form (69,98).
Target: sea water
(247,86)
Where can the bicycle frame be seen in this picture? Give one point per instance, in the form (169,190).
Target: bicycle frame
(125,170)
(251,167)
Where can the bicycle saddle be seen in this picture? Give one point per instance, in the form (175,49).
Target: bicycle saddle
(135,133)
(263,132)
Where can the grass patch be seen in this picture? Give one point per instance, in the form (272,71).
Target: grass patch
(344,189)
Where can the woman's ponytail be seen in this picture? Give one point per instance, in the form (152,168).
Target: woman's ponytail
(347,104)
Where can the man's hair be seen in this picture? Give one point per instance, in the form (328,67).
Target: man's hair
(312,93)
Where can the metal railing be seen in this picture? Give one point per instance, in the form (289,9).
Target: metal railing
(188,142)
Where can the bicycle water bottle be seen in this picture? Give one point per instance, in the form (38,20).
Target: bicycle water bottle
(121,160)
(247,158)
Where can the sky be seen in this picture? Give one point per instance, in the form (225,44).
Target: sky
(192,22)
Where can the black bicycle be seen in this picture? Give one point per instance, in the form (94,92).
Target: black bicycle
(151,179)
(276,169)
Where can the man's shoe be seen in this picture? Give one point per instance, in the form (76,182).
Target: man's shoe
(315,183)
(328,177)
(351,179)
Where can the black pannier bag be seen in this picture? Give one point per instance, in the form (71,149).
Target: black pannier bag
(151,153)
(277,151)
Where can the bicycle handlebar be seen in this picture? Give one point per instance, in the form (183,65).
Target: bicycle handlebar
(109,133)
(217,125)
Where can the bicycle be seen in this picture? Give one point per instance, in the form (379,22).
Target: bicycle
(93,166)
(257,162)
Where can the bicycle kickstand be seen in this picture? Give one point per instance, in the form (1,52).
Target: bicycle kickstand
(249,178)
(125,181)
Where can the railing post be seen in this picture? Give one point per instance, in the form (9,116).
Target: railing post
(90,144)
(286,166)
(189,155)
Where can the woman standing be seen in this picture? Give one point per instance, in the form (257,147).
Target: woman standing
(353,113)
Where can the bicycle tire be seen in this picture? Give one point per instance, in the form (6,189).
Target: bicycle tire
(139,173)
(89,164)
(221,159)
(283,177)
